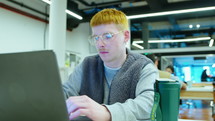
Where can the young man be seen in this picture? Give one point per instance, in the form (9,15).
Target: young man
(170,69)
(116,84)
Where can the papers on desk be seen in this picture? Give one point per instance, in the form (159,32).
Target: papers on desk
(190,120)
(166,79)
(207,83)
(201,88)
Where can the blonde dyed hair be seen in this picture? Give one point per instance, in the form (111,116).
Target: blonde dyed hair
(110,16)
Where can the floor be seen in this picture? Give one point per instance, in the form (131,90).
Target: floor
(195,110)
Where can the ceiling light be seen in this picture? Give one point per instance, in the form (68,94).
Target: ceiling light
(180,40)
(67,11)
(136,43)
(190,26)
(47,1)
(211,43)
(171,12)
(198,25)
(74,14)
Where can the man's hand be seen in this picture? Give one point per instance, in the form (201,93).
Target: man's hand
(85,106)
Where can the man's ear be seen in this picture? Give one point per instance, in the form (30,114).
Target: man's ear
(127,35)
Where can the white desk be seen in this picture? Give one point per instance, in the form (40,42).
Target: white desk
(201,89)
(190,120)
(198,91)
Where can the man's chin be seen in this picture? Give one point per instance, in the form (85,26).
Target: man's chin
(104,58)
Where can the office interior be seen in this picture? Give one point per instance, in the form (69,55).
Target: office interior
(166,28)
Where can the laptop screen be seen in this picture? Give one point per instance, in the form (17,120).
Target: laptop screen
(30,87)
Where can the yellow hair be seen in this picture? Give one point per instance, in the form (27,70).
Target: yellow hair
(110,16)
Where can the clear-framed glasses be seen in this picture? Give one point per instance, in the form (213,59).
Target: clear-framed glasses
(105,37)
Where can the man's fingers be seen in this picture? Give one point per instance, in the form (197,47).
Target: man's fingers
(78,112)
(72,108)
(74,103)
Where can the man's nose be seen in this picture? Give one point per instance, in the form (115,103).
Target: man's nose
(100,41)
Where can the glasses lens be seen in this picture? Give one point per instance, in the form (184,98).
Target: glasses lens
(96,38)
(107,36)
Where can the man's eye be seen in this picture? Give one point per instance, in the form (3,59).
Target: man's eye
(108,35)
(96,38)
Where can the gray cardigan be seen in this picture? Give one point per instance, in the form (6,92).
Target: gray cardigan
(138,108)
(123,84)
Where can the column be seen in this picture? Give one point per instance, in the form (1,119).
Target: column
(57,29)
(145,35)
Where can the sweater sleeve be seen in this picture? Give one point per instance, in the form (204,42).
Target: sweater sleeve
(72,86)
(140,107)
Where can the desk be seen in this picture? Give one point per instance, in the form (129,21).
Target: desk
(190,120)
(196,113)
(200,91)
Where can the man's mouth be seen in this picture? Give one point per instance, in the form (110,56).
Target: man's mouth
(103,52)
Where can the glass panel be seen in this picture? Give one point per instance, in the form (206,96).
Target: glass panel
(191,67)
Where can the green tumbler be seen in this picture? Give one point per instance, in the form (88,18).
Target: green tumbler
(169,99)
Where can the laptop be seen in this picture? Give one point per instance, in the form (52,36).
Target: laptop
(30,87)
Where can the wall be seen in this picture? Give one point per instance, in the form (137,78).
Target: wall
(20,33)
(77,41)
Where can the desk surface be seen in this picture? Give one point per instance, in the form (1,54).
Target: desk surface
(190,120)
(201,88)
(201,91)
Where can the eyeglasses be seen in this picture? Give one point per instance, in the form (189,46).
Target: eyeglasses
(105,37)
